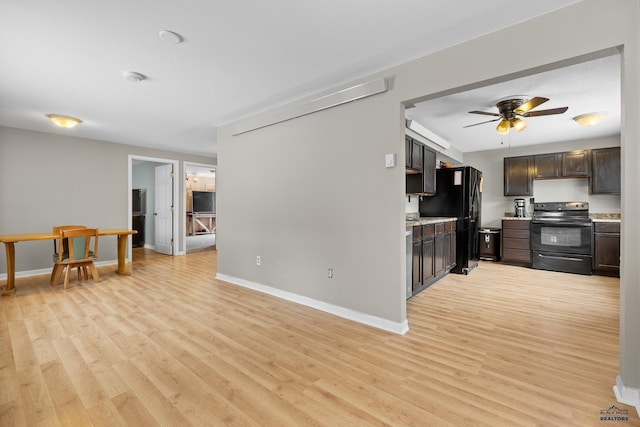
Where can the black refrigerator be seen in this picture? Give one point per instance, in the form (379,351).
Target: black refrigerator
(458,194)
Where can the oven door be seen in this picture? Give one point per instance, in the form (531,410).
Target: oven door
(561,237)
(561,245)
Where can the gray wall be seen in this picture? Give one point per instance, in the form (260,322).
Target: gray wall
(349,209)
(312,194)
(494,204)
(49,179)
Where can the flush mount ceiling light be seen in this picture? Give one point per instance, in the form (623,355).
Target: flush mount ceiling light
(590,119)
(64,121)
(170,37)
(132,76)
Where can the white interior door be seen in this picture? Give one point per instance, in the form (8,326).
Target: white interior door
(163,209)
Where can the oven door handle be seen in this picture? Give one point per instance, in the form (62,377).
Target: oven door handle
(562,223)
(562,258)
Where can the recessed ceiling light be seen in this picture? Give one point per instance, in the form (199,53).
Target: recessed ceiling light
(170,37)
(132,76)
(64,121)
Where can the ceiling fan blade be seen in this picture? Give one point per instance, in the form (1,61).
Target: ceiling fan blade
(481,123)
(530,104)
(485,113)
(549,112)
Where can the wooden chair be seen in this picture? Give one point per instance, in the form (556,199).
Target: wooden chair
(64,245)
(83,251)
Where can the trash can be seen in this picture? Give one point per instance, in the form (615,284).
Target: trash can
(489,242)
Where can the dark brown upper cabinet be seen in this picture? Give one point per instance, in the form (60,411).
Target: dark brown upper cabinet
(422,181)
(575,164)
(605,171)
(601,165)
(518,176)
(548,165)
(413,155)
(428,170)
(407,152)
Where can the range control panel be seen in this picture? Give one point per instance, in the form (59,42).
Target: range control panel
(561,206)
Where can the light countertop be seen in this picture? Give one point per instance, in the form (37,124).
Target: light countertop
(593,218)
(429,220)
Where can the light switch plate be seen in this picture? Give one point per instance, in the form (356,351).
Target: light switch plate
(390,160)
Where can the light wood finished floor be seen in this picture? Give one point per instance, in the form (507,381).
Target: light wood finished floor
(171,346)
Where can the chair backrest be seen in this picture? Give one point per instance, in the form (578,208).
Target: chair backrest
(83,244)
(56,230)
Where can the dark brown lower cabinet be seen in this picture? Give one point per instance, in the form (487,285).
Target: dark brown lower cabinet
(428,272)
(447,250)
(516,241)
(606,248)
(450,236)
(439,258)
(416,259)
(434,247)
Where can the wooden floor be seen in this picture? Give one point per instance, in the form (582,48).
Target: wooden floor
(171,346)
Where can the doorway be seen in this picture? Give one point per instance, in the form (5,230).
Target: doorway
(155,201)
(200,207)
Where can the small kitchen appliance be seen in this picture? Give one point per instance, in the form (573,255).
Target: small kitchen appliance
(489,244)
(519,205)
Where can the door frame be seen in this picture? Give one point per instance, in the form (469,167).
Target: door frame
(177,205)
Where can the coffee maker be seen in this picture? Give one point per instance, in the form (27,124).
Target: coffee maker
(519,205)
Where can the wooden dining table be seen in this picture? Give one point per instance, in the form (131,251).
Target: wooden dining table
(10,240)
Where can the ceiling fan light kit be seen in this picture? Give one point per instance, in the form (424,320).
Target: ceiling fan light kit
(66,122)
(590,119)
(512,108)
(503,127)
(518,124)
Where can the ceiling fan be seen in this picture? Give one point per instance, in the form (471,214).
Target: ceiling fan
(512,108)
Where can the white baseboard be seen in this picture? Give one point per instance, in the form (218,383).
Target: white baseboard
(400,328)
(627,395)
(29,273)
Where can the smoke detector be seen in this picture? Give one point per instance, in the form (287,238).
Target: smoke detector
(132,76)
(170,37)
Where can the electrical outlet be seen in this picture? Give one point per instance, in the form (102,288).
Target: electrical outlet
(258,260)
(331,273)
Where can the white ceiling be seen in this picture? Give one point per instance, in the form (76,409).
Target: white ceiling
(238,57)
